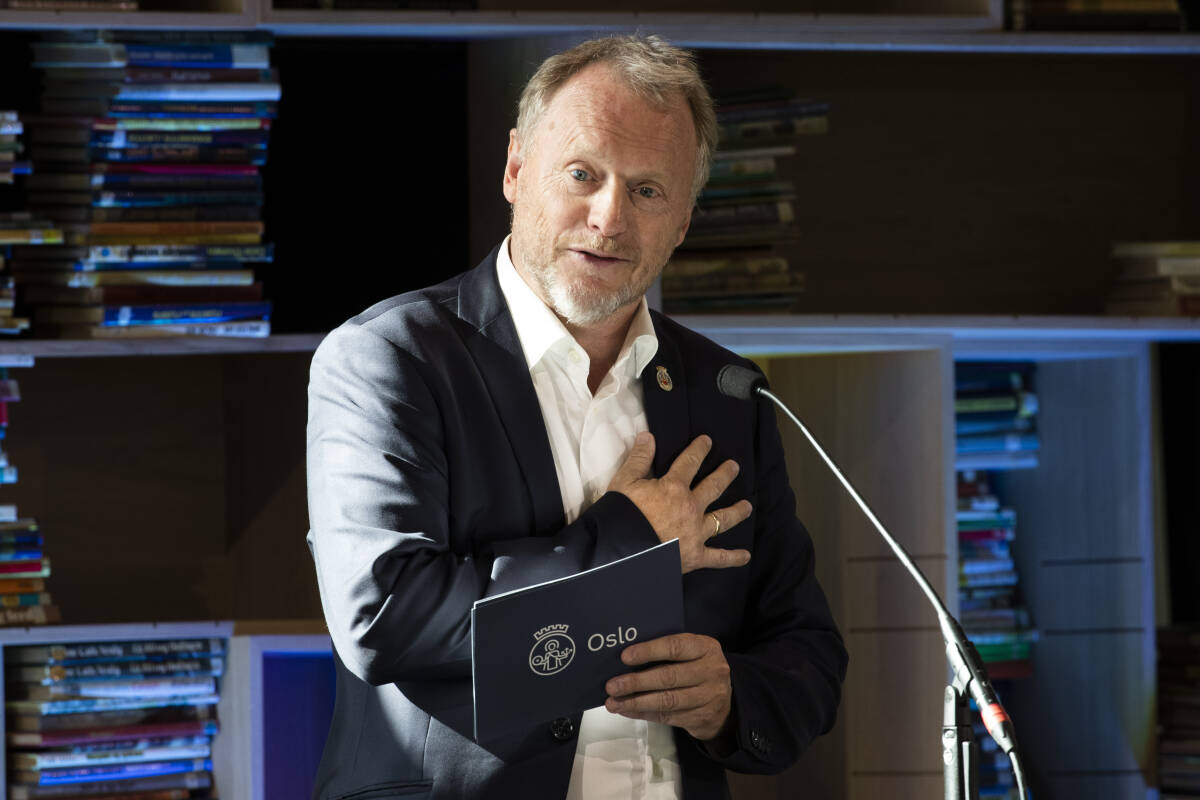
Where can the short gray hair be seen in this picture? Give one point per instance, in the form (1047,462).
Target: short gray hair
(649,65)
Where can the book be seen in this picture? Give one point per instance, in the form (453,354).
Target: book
(161,75)
(198,54)
(242,329)
(157,277)
(198,780)
(99,735)
(129,650)
(30,615)
(187,91)
(37,722)
(122,752)
(27,599)
(11,586)
(1180,249)
(99,772)
(48,708)
(29,568)
(174,686)
(49,674)
(154,314)
(547,650)
(1155,266)
(95,256)
(146,295)
(157,109)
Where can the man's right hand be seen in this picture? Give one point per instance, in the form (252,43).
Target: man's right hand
(677,511)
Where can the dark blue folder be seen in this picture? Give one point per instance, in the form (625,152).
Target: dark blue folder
(546,651)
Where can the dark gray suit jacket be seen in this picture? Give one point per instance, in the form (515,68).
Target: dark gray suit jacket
(431,483)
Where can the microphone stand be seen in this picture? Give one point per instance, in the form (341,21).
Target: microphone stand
(960,751)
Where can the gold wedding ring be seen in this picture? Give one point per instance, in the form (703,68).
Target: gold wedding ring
(718,530)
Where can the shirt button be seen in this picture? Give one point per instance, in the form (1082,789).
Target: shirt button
(574,356)
(562,729)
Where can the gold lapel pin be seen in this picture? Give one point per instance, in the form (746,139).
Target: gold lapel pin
(664,379)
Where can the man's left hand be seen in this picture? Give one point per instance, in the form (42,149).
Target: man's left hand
(691,690)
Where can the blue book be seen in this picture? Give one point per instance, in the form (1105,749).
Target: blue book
(241,56)
(19,553)
(174,313)
(546,651)
(58,777)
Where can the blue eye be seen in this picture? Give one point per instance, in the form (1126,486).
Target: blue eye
(579,174)
(648,192)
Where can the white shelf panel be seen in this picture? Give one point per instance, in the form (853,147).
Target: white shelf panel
(1043,338)
(992,337)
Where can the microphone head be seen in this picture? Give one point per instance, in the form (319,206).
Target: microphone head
(739,382)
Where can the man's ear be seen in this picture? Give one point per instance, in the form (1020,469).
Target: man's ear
(512,166)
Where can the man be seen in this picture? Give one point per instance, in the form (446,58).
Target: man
(530,419)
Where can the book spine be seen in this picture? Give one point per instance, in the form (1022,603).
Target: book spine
(239,56)
(174,314)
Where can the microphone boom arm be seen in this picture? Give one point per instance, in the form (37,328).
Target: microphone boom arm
(965,663)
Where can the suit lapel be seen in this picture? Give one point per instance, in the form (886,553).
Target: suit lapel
(500,360)
(665,396)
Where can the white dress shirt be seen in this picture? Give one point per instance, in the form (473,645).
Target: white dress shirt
(590,436)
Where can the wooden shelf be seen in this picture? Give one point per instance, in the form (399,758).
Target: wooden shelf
(167,346)
(933,32)
(885,32)
(1043,336)
(998,337)
(166,20)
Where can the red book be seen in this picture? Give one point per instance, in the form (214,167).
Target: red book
(32,568)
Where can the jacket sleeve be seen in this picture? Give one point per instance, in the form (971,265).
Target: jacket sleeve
(397,597)
(789,662)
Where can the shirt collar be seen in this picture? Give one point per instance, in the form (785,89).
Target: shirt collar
(539,329)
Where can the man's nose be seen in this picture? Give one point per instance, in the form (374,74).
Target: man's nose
(607,213)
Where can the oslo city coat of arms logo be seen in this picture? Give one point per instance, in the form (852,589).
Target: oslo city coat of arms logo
(552,650)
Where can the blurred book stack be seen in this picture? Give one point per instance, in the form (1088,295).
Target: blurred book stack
(1094,15)
(995,416)
(147,153)
(1179,712)
(729,260)
(991,608)
(1155,278)
(98,719)
(24,566)
(17,225)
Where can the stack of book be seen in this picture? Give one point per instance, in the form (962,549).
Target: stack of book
(16,227)
(24,568)
(992,611)
(995,416)
(131,718)
(1179,712)
(1156,278)
(728,262)
(1094,15)
(24,565)
(148,153)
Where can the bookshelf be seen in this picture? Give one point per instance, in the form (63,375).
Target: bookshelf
(918,170)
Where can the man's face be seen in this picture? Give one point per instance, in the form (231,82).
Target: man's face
(601,196)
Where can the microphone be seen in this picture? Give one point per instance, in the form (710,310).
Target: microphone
(744,384)
(739,382)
